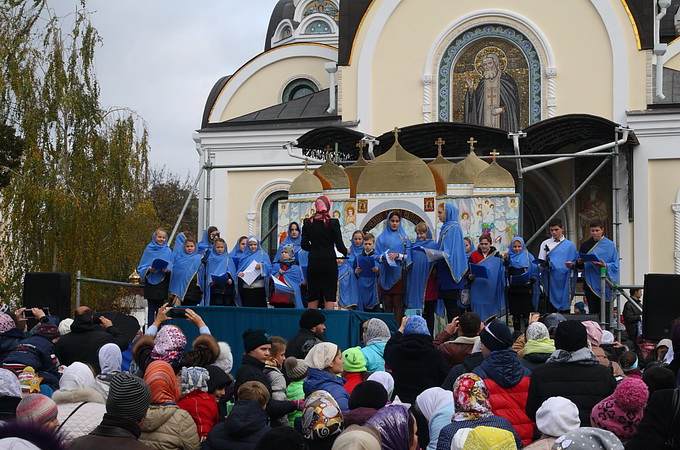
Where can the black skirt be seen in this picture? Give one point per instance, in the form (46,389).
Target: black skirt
(322,279)
(158,292)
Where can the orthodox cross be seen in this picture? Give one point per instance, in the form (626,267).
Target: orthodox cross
(491,95)
(439,142)
(361,145)
(306,162)
(493,154)
(472,143)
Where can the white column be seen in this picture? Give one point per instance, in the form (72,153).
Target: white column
(551,73)
(251,222)
(427,98)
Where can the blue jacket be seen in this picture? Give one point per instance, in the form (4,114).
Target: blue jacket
(375,361)
(504,367)
(321,380)
(37,352)
(440,419)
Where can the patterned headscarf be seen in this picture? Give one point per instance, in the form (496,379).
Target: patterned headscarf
(322,205)
(169,344)
(537,331)
(321,416)
(194,378)
(392,422)
(163,383)
(9,384)
(471,398)
(6,323)
(377,331)
(490,438)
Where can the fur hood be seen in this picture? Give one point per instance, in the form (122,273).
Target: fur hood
(204,351)
(141,351)
(81,395)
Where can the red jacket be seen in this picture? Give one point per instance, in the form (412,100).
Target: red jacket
(511,403)
(203,408)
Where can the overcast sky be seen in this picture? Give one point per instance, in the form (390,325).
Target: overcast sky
(161,58)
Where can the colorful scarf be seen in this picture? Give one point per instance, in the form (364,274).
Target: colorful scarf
(163,383)
(471,398)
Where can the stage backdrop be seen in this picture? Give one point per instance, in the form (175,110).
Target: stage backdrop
(228,324)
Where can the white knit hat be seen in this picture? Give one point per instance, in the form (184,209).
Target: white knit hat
(225,360)
(557,416)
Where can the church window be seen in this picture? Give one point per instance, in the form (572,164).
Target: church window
(270,217)
(318,27)
(286,33)
(298,88)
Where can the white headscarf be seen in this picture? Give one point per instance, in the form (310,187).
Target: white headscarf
(321,355)
(432,400)
(110,358)
(77,376)
(9,384)
(385,379)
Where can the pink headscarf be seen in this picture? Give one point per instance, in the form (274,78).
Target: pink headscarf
(169,344)
(322,205)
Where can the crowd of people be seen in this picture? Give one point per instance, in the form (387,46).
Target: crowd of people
(78,383)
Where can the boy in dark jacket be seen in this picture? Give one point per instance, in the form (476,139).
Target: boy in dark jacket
(37,352)
(247,422)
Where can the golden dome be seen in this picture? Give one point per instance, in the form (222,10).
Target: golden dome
(494,176)
(440,168)
(396,171)
(354,172)
(331,175)
(305,183)
(465,171)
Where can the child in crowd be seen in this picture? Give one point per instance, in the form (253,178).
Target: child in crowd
(367,279)
(421,283)
(272,370)
(296,371)
(219,384)
(184,289)
(197,401)
(219,290)
(287,271)
(353,368)
(357,245)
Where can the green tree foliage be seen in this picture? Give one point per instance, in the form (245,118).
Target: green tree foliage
(169,193)
(79,199)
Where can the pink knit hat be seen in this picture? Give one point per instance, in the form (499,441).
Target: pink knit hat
(594,332)
(37,408)
(621,412)
(6,323)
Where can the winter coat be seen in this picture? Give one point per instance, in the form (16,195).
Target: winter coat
(300,345)
(440,419)
(508,382)
(351,380)
(473,360)
(242,429)
(84,341)
(322,380)
(253,370)
(114,433)
(416,365)
(8,342)
(37,352)
(656,425)
(168,427)
(203,409)
(83,420)
(576,376)
(294,391)
(374,355)
(455,350)
(533,360)
(447,433)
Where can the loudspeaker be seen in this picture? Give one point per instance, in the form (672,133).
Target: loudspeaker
(661,305)
(583,317)
(49,289)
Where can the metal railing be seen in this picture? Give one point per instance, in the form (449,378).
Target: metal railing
(81,279)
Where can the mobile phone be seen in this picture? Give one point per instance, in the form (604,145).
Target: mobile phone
(534,313)
(178,313)
(28,314)
(414,312)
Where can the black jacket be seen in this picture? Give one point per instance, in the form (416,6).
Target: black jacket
(242,430)
(416,364)
(84,341)
(655,427)
(319,239)
(300,345)
(252,370)
(471,361)
(113,433)
(584,384)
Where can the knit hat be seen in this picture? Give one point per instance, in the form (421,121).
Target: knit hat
(353,360)
(571,336)
(225,360)
(552,320)
(496,336)
(311,318)
(621,412)
(416,325)
(580,306)
(594,332)
(296,369)
(36,408)
(368,394)
(281,438)
(657,378)
(29,380)
(194,378)
(6,323)
(607,337)
(590,438)
(65,326)
(537,331)
(253,339)
(218,378)
(129,397)
(557,416)
(47,330)
(290,249)
(321,355)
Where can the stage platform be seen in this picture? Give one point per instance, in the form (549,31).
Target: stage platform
(228,324)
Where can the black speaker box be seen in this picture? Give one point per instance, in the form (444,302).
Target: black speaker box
(583,317)
(48,290)
(661,305)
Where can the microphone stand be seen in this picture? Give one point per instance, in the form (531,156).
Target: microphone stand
(549,268)
(204,263)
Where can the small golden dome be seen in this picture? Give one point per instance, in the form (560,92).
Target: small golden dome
(354,172)
(305,183)
(331,175)
(396,171)
(466,171)
(134,278)
(494,176)
(440,168)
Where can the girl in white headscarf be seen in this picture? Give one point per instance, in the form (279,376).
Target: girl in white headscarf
(110,360)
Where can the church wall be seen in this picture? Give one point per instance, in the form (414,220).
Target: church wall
(663,185)
(673,63)
(264,87)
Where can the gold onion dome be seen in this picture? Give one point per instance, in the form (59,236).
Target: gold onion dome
(305,183)
(440,167)
(494,176)
(354,171)
(396,171)
(331,175)
(466,171)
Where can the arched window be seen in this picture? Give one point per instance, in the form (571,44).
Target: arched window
(270,218)
(298,88)
(318,27)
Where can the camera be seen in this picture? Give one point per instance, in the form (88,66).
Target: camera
(177,313)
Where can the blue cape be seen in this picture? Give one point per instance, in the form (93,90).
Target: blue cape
(184,267)
(560,275)
(525,260)
(353,251)
(395,242)
(367,287)
(258,255)
(451,241)
(348,286)
(235,253)
(214,264)
(224,266)
(418,273)
(297,243)
(487,296)
(292,277)
(605,250)
(152,252)
(204,244)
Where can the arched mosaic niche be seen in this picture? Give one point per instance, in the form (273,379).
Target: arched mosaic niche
(462,61)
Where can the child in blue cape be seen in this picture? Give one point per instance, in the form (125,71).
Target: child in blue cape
(184,289)
(367,281)
(156,280)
